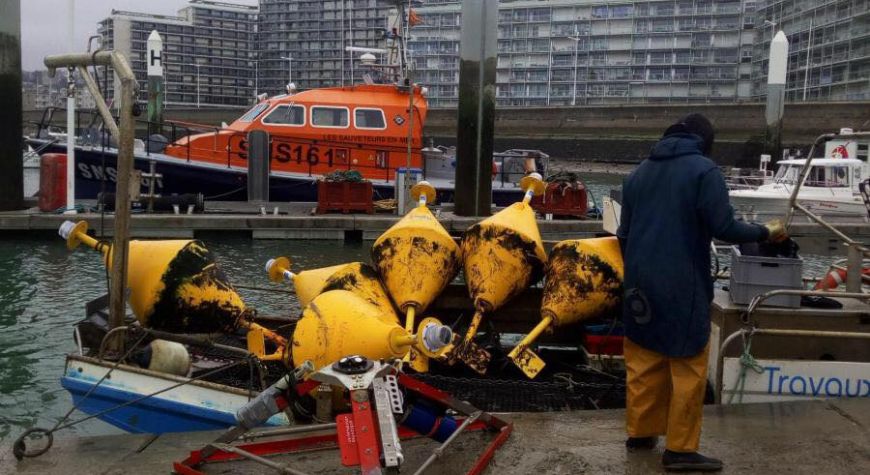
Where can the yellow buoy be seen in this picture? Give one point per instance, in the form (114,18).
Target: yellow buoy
(176,286)
(502,256)
(339,323)
(583,281)
(417,259)
(356,277)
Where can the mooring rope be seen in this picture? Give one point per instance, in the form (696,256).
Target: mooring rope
(19,448)
(747,361)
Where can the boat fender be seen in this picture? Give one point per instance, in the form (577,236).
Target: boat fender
(168,357)
(156,143)
(835,278)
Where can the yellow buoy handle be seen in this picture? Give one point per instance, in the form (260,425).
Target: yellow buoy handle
(532,336)
(401,341)
(472,328)
(533,185)
(423,192)
(279,269)
(77,233)
(409,319)
(276,338)
(258,349)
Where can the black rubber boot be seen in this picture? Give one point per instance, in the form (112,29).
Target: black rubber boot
(689,462)
(641,443)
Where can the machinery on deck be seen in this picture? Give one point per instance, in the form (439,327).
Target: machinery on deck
(386,406)
(357,277)
(502,256)
(417,259)
(176,286)
(339,322)
(583,281)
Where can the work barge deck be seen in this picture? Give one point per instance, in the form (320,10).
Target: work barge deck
(808,437)
(295,221)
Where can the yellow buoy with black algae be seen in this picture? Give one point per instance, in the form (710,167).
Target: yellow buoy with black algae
(583,281)
(417,259)
(339,323)
(176,286)
(357,277)
(502,255)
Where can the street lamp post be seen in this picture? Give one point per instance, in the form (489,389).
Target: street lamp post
(197,66)
(576,40)
(289,68)
(256,77)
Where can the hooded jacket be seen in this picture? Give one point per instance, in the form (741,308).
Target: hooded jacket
(674,203)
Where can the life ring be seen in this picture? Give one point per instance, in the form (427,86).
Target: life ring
(835,278)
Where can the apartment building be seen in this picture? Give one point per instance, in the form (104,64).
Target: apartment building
(304,40)
(550,52)
(829,48)
(209,51)
(563,52)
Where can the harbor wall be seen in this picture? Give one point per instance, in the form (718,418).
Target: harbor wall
(620,133)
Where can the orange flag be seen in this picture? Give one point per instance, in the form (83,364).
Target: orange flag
(413,18)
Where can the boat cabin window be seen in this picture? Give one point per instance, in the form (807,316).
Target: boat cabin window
(286,115)
(253,113)
(330,116)
(369,119)
(829,177)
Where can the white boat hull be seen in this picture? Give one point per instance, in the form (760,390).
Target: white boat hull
(754,207)
(195,405)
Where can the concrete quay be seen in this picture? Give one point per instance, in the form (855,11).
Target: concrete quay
(296,221)
(806,437)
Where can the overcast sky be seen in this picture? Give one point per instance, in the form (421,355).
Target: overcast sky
(44,23)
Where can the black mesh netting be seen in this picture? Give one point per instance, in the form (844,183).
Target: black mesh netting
(581,390)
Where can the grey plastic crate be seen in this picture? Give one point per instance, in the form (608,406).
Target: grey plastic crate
(755,275)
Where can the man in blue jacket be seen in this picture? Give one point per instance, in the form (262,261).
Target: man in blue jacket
(674,204)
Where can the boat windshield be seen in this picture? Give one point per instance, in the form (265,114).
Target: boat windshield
(254,112)
(787,174)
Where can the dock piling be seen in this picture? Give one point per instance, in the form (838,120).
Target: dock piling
(11,167)
(259,154)
(476,117)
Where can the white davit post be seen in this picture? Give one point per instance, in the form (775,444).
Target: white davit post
(71,121)
(611,210)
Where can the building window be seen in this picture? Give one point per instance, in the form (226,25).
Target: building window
(286,115)
(369,119)
(336,117)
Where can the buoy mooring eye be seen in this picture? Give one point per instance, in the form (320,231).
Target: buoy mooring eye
(354,364)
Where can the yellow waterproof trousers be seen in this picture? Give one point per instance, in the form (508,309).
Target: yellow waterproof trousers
(665,396)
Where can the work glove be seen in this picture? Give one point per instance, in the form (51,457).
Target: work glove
(776,231)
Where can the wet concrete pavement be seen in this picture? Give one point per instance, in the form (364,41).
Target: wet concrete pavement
(811,437)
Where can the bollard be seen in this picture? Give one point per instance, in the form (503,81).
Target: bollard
(259,155)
